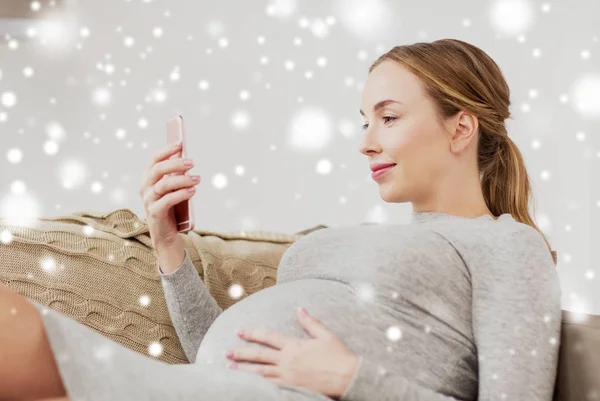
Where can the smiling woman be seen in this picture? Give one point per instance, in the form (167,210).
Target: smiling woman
(437,110)
(462,303)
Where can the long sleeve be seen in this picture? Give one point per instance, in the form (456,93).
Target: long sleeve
(516,319)
(191,306)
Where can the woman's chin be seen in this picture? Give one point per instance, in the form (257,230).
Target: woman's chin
(389,193)
(394,192)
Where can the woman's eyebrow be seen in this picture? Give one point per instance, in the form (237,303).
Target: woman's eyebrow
(381,104)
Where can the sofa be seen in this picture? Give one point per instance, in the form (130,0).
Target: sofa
(100,270)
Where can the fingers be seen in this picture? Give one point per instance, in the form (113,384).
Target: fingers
(159,156)
(254,354)
(170,185)
(270,372)
(158,171)
(173,183)
(151,193)
(166,201)
(270,338)
(165,153)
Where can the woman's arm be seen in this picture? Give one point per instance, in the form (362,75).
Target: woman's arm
(192,308)
(516,318)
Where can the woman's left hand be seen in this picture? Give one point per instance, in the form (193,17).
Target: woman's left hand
(322,363)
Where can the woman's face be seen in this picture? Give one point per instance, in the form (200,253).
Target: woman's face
(405,133)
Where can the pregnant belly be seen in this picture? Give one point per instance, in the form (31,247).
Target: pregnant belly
(426,357)
(274,308)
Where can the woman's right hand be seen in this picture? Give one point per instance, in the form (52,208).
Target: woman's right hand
(161,191)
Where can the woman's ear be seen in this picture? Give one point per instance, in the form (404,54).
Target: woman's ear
(463,129)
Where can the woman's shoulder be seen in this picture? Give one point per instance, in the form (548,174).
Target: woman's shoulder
(511,243)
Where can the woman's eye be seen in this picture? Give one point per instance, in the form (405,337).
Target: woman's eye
(364,127)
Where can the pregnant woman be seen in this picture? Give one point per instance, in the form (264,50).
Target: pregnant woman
(460,303)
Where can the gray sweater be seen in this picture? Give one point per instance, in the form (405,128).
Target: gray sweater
(442,308)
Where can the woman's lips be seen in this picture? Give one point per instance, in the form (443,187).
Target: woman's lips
(378,173)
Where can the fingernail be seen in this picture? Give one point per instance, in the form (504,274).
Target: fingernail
(188,162)
(195,178)
(233,366)
(303,311)
(229,353)
(240,333)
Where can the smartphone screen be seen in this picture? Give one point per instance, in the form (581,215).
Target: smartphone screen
(184,214)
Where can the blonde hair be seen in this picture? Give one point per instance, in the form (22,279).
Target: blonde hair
(459,76)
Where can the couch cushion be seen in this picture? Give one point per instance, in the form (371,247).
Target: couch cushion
(578,375)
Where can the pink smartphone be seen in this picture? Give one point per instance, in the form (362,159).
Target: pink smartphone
(184,212)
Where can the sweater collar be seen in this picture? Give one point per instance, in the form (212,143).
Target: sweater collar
(428,217)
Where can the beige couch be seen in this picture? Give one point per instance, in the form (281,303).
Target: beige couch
(100,269)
